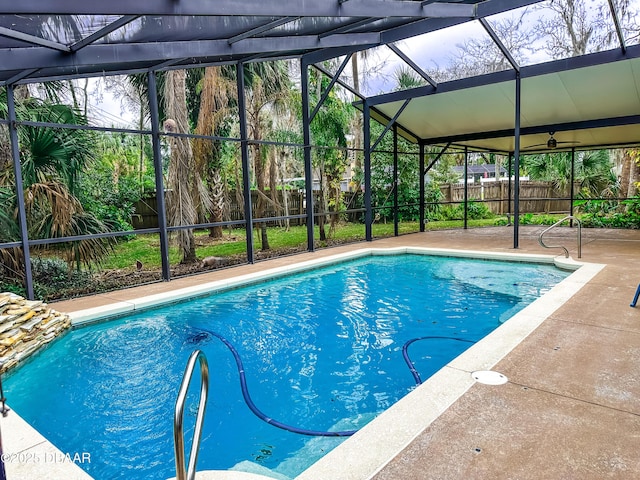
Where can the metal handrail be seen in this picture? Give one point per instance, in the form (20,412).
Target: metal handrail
(178,418)
(566,252)
(4,410)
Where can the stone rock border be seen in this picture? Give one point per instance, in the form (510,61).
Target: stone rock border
(26,326)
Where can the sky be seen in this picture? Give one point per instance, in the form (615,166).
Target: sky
(435,50)
(106,109)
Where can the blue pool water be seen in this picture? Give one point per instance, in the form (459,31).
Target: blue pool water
(322,350)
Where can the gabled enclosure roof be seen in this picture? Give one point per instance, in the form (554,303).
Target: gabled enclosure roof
(585,101)
(582,102)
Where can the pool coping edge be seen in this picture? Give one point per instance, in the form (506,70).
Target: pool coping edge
(368,458)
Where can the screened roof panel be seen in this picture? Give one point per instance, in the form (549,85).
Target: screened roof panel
(631,33)
(7,43)
(377,24)
(184,28)
(64,29)
(325,26)
(163,33)
(309,26)
(66,38)
(334,8)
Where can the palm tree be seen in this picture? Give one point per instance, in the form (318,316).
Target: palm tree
(52,161)
(267,89)
(407,78)
(329,129)
(216,91)
(627,161)
(133,93)
(593,170)
(186,192)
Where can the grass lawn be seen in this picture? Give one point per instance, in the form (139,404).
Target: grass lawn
(119,268)
(146,248)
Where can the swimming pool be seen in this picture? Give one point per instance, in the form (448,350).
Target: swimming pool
(351,391)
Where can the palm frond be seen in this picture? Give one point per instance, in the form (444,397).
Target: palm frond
(55,153)
(9,228)
(50,209)
(52,212)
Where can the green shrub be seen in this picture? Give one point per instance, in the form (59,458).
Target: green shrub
(112,203)
(609,213)
(52,276)
(6,286)
(477,211)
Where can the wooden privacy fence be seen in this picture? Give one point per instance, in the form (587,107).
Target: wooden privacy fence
(535,197)
(146,215)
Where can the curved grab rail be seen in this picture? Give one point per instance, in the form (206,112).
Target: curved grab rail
(4,410)
(566,252)
(178,418)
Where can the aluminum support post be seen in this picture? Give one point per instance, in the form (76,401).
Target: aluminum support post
(308,168)
(516,157)
(466,186)
(396,216)
(244,148)
(17,174)
(157,167)
(421,187)
(368,214)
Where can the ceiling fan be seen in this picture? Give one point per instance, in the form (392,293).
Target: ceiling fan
(552,143)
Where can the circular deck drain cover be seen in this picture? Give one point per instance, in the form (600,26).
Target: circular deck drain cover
(489,377)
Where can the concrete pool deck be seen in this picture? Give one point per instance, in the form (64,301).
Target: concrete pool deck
(571,408)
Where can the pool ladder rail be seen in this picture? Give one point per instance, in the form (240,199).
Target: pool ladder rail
(566,252)
(183,473)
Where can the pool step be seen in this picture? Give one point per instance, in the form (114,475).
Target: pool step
(245,470)
(260,471)
(228,475)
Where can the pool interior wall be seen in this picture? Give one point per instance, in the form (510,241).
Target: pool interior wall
(362,455)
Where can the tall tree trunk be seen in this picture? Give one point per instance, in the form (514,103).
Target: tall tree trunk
(259,166)
(181,208)
(85,92)
(625,173)
(336,195)
(273,180)
(322,205)
(74,97)
(264,237)
(321,219)
(206,152)
(285,191)
(6,159)
(357,124)
(634,171)
(216,189)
